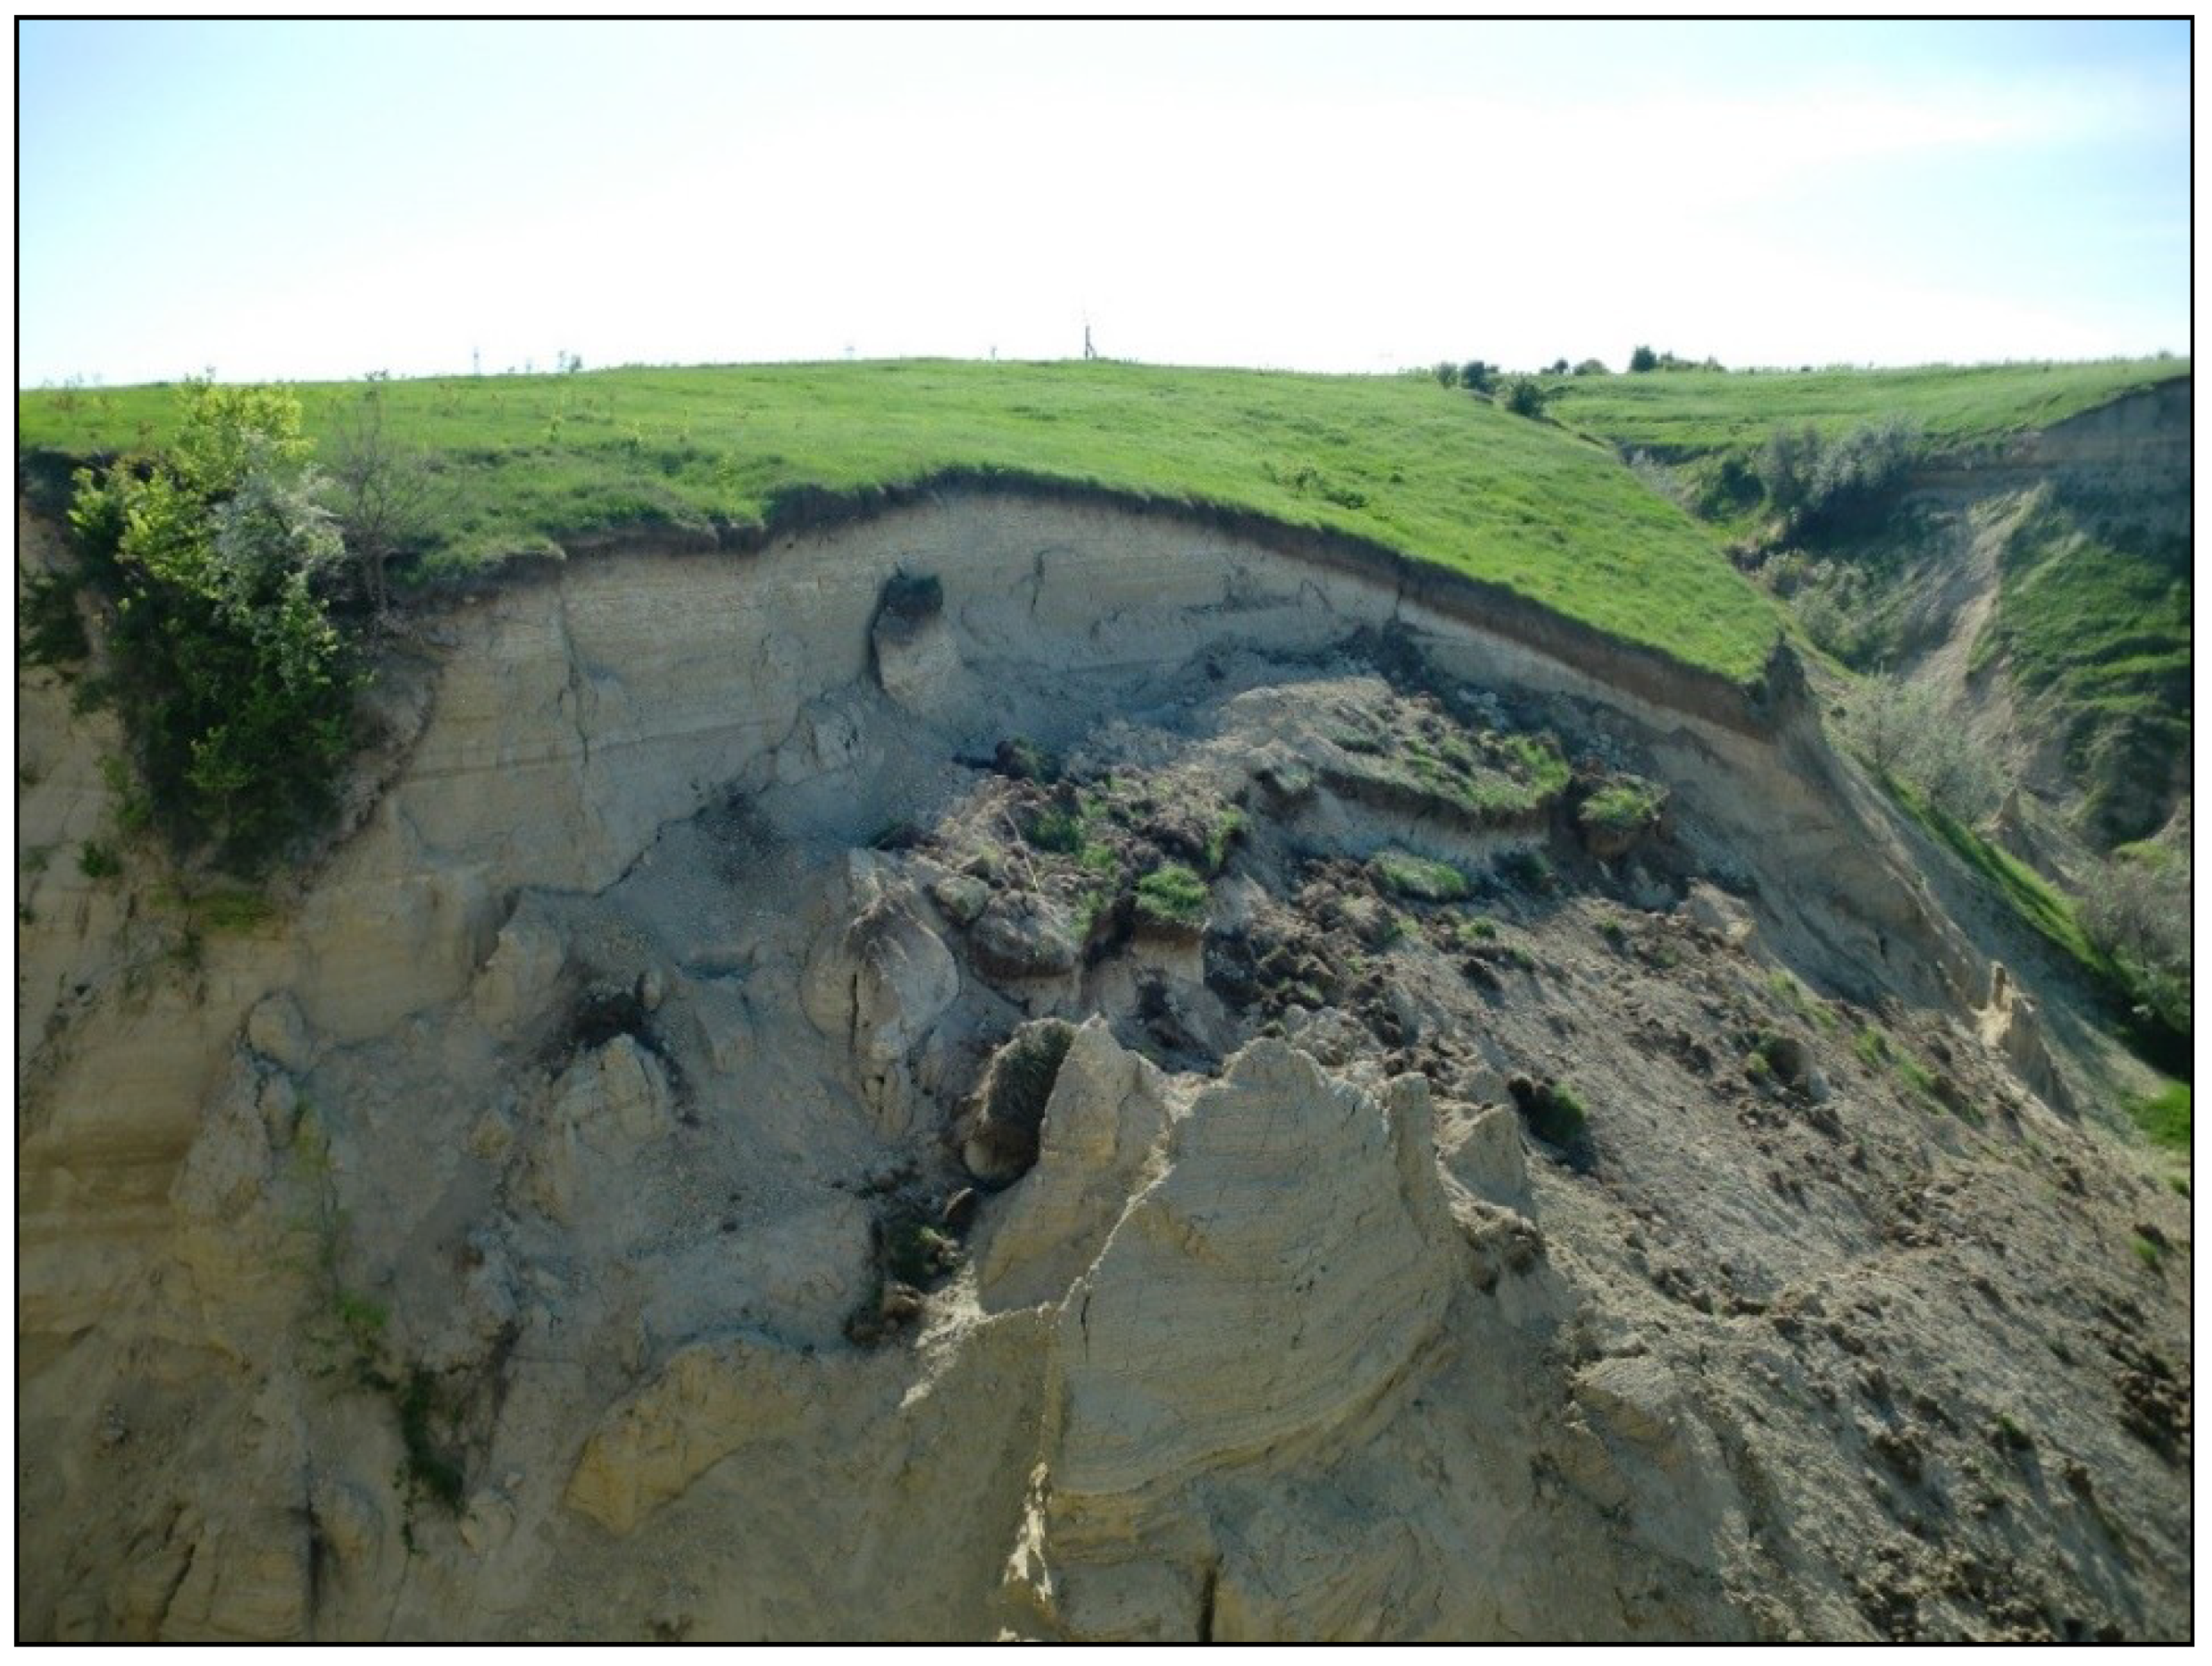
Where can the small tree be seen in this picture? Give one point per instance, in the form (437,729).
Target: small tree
(2136,913)
(1886,718)
(1477,377)
(381,490)
(1906,733)
(1643,360)
(1787,464)
(1448,375)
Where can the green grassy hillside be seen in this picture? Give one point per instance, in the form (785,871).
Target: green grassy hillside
(1683,413)
(1431,472)
(2092,615)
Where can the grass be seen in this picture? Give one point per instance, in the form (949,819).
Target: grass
(1801,1001)
(1623,805)
(2028,893)
(527,462)
(1493,778)
(1556,1115)
(226,911)
(2164,1116)
(1222,837)
(1055,829)
(1683,413)
(2050,913)
(1418,877)
(2096,618)
(1172,895)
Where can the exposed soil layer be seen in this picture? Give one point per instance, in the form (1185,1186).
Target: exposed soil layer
(1010,1068)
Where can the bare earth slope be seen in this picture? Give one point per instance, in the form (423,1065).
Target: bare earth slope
(726,1147)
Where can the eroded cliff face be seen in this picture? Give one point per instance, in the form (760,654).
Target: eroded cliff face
(630,1189)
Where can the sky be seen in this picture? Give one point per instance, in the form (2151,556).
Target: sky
(317,200)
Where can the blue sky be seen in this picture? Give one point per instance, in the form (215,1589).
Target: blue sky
(321,200)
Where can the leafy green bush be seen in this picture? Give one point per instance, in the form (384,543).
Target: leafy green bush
(1822,485)
(1525,396)
(234,688)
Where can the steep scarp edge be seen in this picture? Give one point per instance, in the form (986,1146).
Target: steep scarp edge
(628,1191)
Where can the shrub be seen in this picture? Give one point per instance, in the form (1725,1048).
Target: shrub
(1554,1112)
(1641,360)
(1023,759)
(1906,733)
(384,491)
(234,686)
(2137,915)
(1054,827)
(430,1467)
(1477,377)
(98,860)
(1448,375)
(1824,485)
(1840,610)
(1003,1142)
(1526,868)
(1525,396)
(1661,480)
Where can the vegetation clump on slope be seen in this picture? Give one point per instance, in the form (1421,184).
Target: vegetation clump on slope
(234,688)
